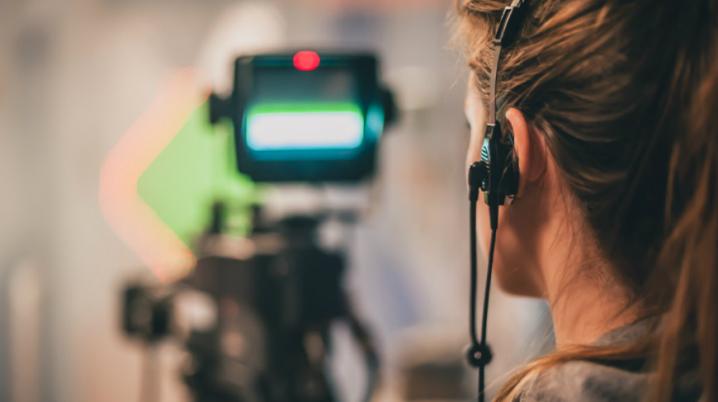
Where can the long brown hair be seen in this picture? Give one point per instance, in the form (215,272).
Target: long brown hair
(626,94)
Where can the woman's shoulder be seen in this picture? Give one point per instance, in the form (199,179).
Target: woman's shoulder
(583,381)
(603,381)
(587,381)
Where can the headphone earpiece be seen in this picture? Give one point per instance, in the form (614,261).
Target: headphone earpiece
(499,156)
(478,175)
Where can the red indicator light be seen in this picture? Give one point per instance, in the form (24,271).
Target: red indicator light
(306,60)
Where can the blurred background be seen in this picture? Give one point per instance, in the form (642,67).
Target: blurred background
(92,90)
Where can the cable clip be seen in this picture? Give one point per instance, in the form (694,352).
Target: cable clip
(479,355)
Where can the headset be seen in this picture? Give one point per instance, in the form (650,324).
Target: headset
(497,175)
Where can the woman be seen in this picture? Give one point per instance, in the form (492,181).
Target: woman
(613,108)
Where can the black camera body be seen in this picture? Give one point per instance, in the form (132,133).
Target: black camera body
(270,307)
(276,295)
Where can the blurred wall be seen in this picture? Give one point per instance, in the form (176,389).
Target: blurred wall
(75,74)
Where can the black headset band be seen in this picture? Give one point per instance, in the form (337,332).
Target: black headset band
(506,31)
(493,81)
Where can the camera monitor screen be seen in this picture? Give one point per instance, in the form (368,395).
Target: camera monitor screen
(306,116)
(304,127)
(297,111)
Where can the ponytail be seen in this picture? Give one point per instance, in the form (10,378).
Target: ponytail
(690,326)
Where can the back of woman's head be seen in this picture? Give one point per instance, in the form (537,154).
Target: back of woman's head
(626,95)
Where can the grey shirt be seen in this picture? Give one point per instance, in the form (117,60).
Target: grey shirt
(579,381)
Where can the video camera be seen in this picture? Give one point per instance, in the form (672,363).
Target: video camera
(300,117)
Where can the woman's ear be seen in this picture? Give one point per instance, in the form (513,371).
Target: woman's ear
(529,148)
